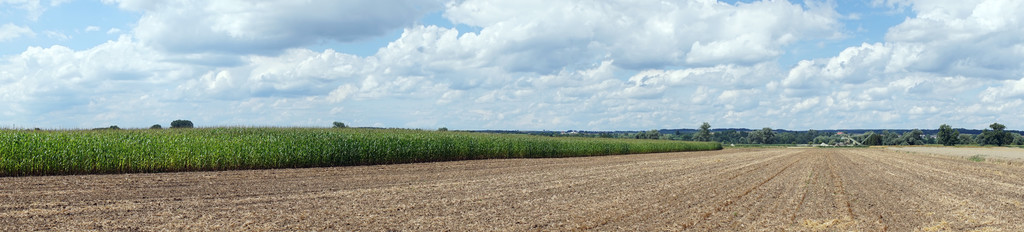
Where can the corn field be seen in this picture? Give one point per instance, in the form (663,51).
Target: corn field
(127,151)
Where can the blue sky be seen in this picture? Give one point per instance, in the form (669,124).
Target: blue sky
(527,65)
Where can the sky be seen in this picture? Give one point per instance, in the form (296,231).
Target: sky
(513,65)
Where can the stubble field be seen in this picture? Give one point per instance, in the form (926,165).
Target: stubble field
(1007,154)
(735,189)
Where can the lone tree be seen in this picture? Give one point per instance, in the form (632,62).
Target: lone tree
(704,134)
(948,136)
(340,125)
(156,126)
(181,124)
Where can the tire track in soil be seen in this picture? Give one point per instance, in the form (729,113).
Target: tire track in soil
(959,197)
(843,196)
(729,202)
(741,189)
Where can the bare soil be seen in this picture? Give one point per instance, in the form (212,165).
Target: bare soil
(727,190)
(1011,154)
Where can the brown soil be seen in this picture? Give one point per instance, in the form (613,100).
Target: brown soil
(1009,154)
(728,190)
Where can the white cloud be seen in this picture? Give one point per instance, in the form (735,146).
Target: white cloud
(1011,89)
(636,34)
(55,35)
(266,27)
(10,31)
(968,38)
(33,8)
(61,87)
(92,28)
(567,65)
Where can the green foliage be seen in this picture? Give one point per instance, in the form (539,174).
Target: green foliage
(181,124)
(763,136)
(997,136)
(442,129)
(977,158)
(704,134)
(914,137)
(872,139)
(114,127)
(890,138)
(341,125)
(126,151)
(156,126)
(965,139)
(652,134)
(948,136)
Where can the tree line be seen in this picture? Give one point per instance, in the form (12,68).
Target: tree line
(946,135)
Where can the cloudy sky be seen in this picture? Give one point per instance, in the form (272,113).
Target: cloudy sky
(525,64)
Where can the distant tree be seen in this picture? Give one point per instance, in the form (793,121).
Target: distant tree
(156,126)
(767,135)
(731,136)
(965,139)
(182,124)
(786,138)
(114,127)
(684,136)
(442,129)
(984,138)
(1017,139)
(763,136)
(890,138)
(652,134)
(340,125)
(947,135)
(872,139)
(997,136)
(822,139)
(914,137)
(704,134)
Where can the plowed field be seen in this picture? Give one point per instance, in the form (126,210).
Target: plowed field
(755,189)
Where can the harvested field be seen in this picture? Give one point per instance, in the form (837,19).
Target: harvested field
(1013,154)
(735,189)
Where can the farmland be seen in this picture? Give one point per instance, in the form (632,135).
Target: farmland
(1008,154)
(130,151)
(864,189)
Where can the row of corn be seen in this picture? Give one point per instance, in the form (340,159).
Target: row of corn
(126,151)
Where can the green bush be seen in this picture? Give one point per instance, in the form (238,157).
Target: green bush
(181,124)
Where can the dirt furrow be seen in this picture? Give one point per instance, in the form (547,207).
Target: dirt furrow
(741,189)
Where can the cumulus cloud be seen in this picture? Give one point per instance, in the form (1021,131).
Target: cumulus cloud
(968,38)
(567,65)
(636,34)
(56,35)
(10,31)
(266,27)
